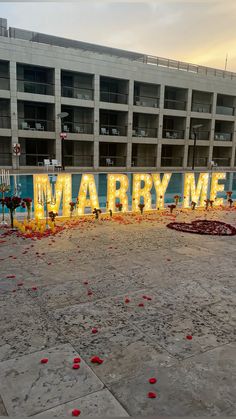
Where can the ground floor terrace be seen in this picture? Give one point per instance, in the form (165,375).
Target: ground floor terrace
(150,302)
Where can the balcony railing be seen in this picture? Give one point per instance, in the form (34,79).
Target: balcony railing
(223,136)
(35,124)
(113,130)
(77,92)
(4,83)
(222,161)
(5,121)
(5,159)
(113,97)
(151,102)
(199,162)
(225,110)
(172,161)
(202,135)
(33,159)
(144,161)
(35,87)
(144,132)
(201,107)
(77,127)
(179,105)
(174,134)
(78,160)
(116,161)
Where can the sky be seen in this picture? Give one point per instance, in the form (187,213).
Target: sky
(197,31)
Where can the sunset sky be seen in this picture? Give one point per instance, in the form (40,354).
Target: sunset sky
(198,31)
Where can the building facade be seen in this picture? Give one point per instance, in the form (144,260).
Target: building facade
(119,109)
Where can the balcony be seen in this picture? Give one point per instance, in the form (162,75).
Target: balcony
(201,107)
(202,135)
(5,121)
(222,161)
(5,159)
(4,83)
(172,161)
(29,124)
(144,132)
(199,162)
(35,87)
(173,134)
(112,161)
(115,130)
(32,159)
(143,161)
(225,110)
(179,105)
(78,160)
(223,136)
(151,102)
(77,127)
(77,92)
(113,97)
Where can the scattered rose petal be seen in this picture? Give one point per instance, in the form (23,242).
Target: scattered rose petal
(85,282)
(89,292)
(189,337)
(152,380)
(149,298)
(77,360)
(141,305)
(20,284)
(94,330)
(127,300)
(11,276)
(96,360)
(44,361)
(34,288)
(76,366)
(76,412)
(151,395)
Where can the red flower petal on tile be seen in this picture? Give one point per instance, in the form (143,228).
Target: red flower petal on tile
(189,337)
(152,380)
(20,284)
(76,412)
(96,360)
(77,360)
(145,297)
(127,300)
(34,288)
(141,305)
(76,366)
(149,298)
(89,292)
(94,330)
(151,395)
(44,361)
(85,282)
(11,276)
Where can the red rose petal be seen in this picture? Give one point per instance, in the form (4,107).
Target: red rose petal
(127,300)
(77,360)
(11,276)
(189,337)
(76,366)
(20,284)
(152,380)
(96,360)
(141,305)
(44,361)
(149,298)
(145,297)
(85,282)
(89,292)
(76,412)
(34,288)
(151,395)
(94,330)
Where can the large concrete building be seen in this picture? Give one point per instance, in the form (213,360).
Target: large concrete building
(125,110)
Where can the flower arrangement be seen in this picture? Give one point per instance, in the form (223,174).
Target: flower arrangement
(28,204)
(208,202)
(177,199)
(230,201)
(193,205)
(12,202)
(172,207)
(119,205)
(72,207)
(52,216)
(229,194)
(97,212)
(141,207)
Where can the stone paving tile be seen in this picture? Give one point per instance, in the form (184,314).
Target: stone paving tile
(194,387)
(24,328)
(100,404)
(3,411)
(170,332)
(29,387)
(124,350)
(225,313)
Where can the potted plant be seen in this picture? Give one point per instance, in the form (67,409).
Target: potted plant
(12,202)
(172,207)
(193,205)
(72,207)
(97,212)
(141,207)
(119,205)
(52,215)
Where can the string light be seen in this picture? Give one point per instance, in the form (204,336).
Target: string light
(113,193)
(87,188)
(160,187)
(144,192)
(193,193)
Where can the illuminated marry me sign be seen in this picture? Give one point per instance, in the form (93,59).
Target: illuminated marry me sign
(196,190)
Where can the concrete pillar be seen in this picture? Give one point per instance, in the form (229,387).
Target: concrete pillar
(130,125)
(57,78)
(13,108)
(96,121)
